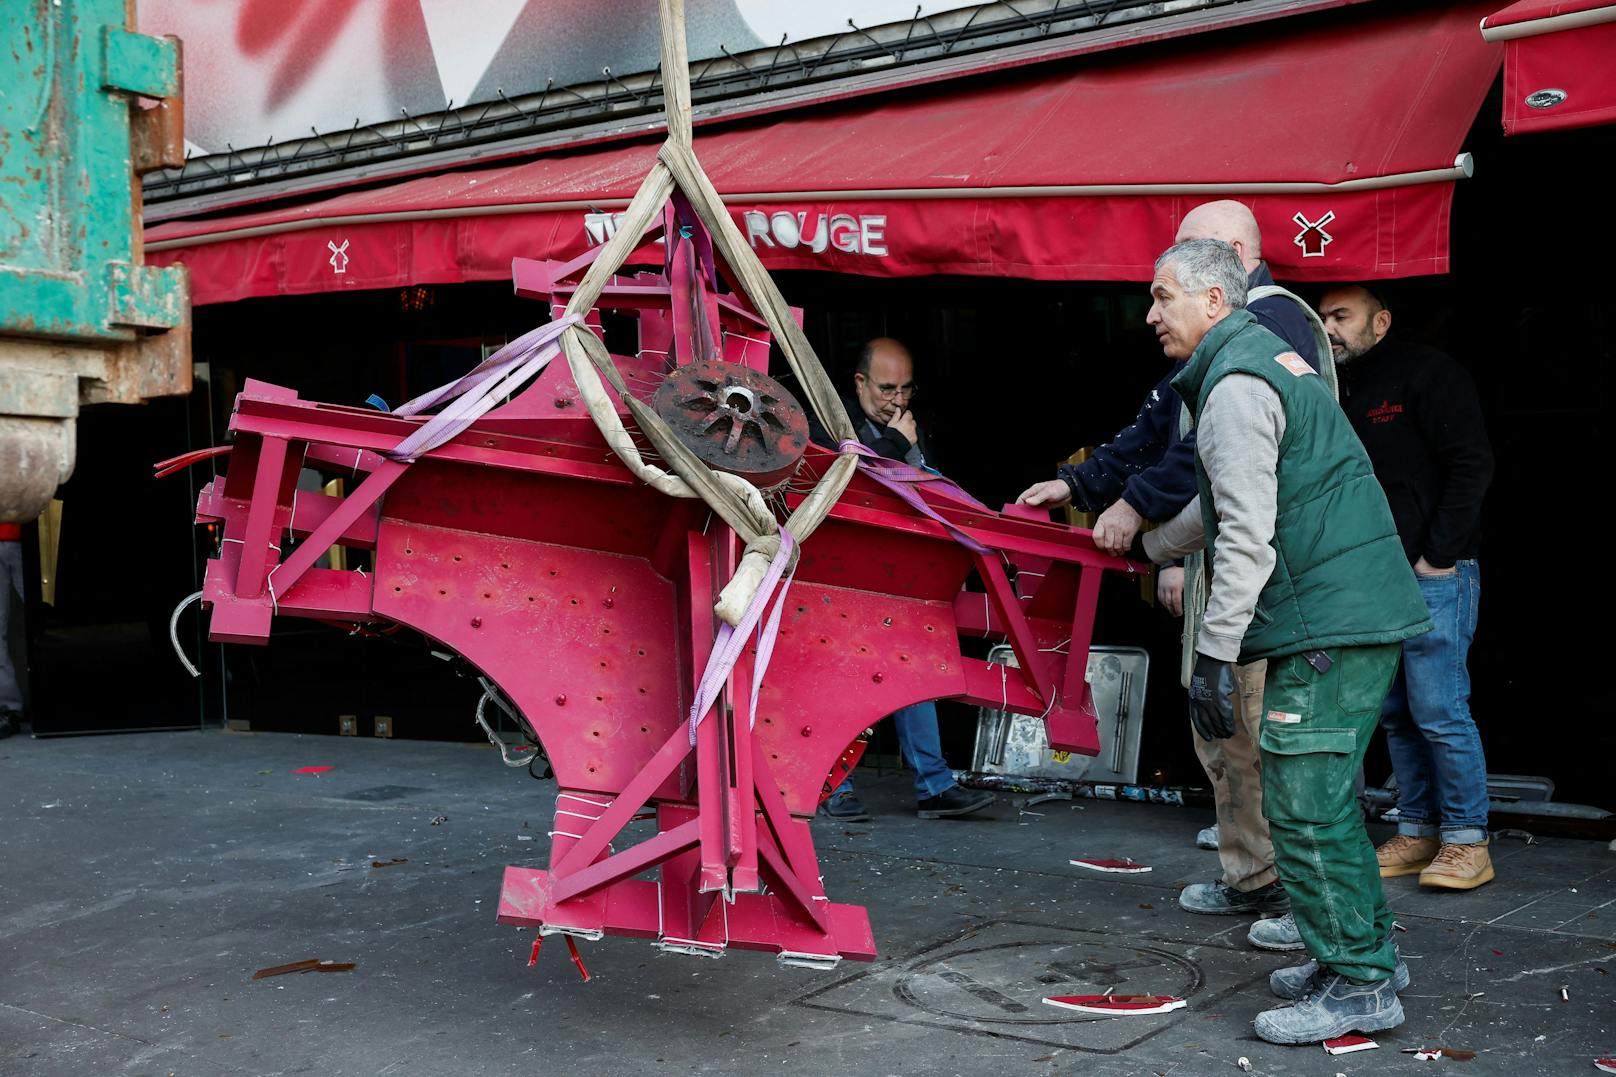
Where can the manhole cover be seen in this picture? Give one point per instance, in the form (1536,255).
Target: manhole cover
(993,981)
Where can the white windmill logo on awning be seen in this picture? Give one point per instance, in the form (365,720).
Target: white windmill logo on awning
(339,256)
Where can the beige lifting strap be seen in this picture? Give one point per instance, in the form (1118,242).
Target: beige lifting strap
(1195,581)
(736,501)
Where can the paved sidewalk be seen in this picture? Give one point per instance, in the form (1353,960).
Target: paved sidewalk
(144,878)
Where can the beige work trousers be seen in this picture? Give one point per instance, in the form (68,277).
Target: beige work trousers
(1235,767)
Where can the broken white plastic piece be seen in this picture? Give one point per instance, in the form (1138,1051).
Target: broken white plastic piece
(1116,1005)
(690,947)
(587,934)
(800,960)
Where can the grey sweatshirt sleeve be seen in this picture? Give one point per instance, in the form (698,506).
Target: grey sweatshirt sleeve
(1238,437)
(1178,537)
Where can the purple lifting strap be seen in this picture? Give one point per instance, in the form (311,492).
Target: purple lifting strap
(729,642)
(902,479)
(475,393)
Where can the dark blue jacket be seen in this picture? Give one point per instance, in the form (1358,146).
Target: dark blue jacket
(1148,465)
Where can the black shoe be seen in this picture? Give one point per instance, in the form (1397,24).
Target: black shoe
(9,723)
(846,808)
(952,802)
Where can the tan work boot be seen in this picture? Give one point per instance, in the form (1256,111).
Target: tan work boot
(1405,855)
(1458,867)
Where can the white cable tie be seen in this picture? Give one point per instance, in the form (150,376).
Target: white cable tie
(173,633)
(586,800)
(564,834)
(1053,695)
(577,815)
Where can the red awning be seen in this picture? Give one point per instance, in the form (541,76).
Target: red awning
(1343,132)
(1558,63)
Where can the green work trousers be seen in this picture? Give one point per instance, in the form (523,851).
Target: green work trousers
(1315,729)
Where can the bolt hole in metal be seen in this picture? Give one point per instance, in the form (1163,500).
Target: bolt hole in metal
(739,398)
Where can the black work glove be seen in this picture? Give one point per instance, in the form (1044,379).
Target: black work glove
(1211,703)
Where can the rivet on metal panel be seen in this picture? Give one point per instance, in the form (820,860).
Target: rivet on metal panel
(561,701)
(877,678)
(807,731)
(476,622)
(606,602)
(887,621)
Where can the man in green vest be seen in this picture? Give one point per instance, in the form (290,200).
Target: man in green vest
(1308,572)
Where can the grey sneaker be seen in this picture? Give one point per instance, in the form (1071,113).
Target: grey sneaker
(1216,899)
(1299,980)
(1207,838)
(1276,933)
(1333,1007)
(846,808)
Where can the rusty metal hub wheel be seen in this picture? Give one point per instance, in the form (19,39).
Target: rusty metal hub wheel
(735,419)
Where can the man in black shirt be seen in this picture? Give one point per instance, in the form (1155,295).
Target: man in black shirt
(1418,415)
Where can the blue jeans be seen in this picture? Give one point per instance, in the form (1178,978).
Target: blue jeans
(922,749)
(1435,748)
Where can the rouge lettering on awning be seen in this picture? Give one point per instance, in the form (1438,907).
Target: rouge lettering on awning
(863,234)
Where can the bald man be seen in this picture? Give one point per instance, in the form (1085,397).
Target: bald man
(1147,472)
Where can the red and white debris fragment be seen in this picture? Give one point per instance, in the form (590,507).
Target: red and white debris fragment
(1430,1054)
(1116,1005)
(1605,1065)
(1124,866)
(1346,1045)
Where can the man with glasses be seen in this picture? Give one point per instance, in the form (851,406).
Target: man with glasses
(883,387)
